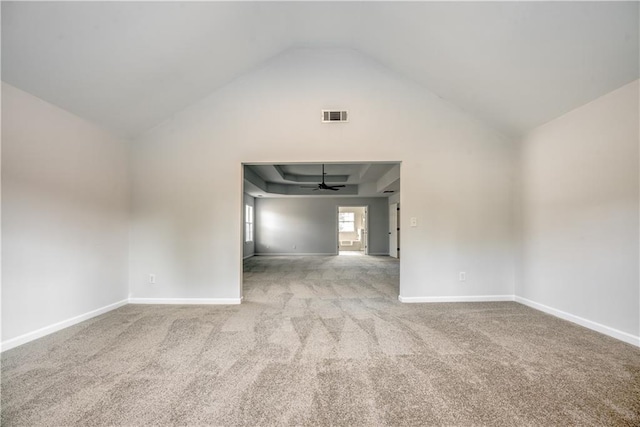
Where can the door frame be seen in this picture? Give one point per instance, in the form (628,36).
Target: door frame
(366,225)
(240,228)
(396,244)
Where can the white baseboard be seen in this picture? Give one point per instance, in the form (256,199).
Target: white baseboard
(248,256)
(614,333)
(606,330)
(186,301)
(39,333)
(378,253)
(30,336)
(465,298)
(296,254)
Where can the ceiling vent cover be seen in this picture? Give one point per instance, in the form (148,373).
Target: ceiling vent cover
(331,116)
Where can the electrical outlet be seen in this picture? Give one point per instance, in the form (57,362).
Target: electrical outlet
(152,279)
(414,221)
(462,276)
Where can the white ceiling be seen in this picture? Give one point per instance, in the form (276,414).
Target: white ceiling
(128,66)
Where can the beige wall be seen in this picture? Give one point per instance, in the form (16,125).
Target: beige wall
(456,175)
(64,215)
(65,195)
(579,231)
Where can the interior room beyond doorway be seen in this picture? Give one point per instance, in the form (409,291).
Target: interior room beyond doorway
(352,230)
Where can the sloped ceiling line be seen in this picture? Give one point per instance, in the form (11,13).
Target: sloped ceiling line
(128,66)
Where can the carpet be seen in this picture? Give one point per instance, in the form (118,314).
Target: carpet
(322,341)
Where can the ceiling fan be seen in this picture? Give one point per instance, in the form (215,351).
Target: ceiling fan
(323,185)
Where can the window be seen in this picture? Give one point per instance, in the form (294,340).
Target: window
(248,223)
(346,221)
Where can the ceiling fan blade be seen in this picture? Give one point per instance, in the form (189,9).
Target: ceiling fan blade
(337,186)
(332,189)
(308,186)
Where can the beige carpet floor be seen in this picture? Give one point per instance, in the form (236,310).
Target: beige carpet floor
(323,341)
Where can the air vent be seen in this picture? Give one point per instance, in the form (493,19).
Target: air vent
(330,116)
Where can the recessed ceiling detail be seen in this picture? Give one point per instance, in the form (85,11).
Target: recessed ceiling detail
(305,179)
(297,177)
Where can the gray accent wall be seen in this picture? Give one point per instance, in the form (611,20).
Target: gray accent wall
(248,248)
(309,225)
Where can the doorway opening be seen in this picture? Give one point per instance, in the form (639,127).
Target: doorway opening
(353,232)
(302,223)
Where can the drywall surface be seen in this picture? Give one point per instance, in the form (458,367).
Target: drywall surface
(311,224)
(394,198)
(64,215)
(249,248)
(580,213)
(457,175)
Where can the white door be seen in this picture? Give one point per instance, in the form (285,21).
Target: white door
(393,230)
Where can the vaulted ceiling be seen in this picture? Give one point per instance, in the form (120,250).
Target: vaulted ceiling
(129,66)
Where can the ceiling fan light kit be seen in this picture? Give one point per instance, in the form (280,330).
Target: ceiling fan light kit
(323,186)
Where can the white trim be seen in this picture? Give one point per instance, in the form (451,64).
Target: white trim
(186,301)
(378,254)
(295,254)
(248,256)
(598,327)
(615,333)
(465,298)
(39,333)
